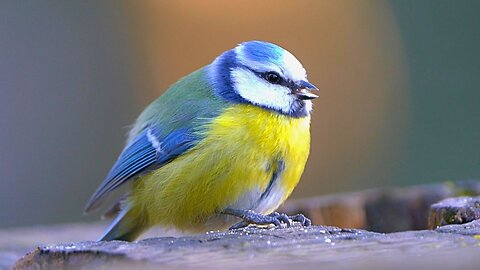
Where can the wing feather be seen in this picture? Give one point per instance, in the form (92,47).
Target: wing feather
(147,151)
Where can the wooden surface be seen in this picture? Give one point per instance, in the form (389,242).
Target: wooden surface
(306,248)
(380,210)
(456,210)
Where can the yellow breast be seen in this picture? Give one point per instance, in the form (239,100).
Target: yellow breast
(232,166)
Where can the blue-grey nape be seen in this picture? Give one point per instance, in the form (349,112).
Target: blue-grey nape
(219,75)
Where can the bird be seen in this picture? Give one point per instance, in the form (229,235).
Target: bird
(222,148)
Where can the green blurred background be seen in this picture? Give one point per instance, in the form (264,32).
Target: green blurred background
(399,102)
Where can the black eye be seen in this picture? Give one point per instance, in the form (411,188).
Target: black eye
(273,77)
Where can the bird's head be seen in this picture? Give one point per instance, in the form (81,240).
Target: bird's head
(265,75)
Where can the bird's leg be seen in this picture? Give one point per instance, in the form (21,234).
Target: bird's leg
(302,219)
(251,217)
(275,218)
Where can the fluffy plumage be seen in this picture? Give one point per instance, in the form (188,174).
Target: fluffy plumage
(230,135)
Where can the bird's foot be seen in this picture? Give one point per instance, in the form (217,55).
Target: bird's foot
(275,218)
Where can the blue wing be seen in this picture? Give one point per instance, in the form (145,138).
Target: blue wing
(148,151)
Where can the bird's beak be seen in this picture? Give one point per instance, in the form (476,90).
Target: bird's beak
(303,89)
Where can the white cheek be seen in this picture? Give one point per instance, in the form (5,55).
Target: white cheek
(259,92)
(308,105)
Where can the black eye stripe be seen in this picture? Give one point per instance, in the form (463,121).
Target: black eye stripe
(284,81)
(273,77)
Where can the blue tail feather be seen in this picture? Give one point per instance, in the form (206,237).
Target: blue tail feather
(122,229)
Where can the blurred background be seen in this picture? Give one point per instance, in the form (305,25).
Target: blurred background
(399,80)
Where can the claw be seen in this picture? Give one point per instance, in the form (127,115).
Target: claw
(302,219)
(282,218)
(239,225)
(276,222)
(275,218)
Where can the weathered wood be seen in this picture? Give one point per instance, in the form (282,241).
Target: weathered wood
(383,210)
(457,210)
(16,242)
(330,247)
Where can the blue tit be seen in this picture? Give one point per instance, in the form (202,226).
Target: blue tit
(223,146)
